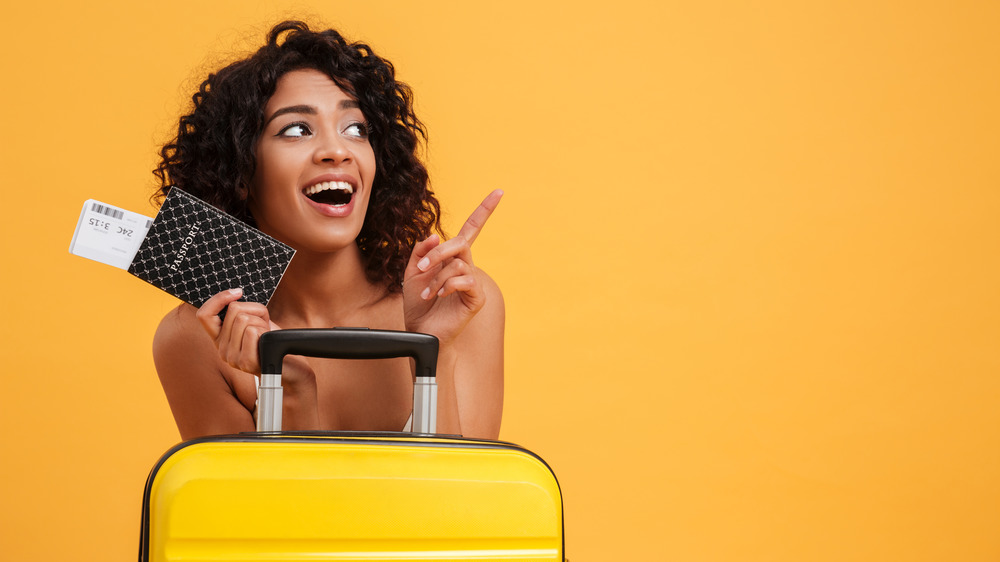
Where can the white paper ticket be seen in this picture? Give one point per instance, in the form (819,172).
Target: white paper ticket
(108,234)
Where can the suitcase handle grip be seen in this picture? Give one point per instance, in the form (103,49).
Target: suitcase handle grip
(347,343)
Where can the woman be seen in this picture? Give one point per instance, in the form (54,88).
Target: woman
(313,141)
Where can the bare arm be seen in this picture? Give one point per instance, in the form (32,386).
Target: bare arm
(478,375)
(201,398)
(445,295)
(207,369)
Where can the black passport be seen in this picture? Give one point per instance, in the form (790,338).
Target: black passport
(193,251)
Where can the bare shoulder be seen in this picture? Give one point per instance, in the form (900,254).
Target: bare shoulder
(179,329)
(489,320)
(180,341)
(183,353)
(482,337)
(489,285)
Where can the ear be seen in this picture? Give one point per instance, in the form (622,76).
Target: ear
(243,191)
(246,195)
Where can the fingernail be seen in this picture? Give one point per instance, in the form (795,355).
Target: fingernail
(423,264)
(237,291)
(426,294)
(441,292)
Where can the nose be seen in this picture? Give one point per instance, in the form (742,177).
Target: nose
(331,148)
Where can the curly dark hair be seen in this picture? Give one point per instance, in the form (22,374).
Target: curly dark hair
(213,156)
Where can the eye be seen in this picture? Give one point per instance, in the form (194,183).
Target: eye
(294,130)
(357,130)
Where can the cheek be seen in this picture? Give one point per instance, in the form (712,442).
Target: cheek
(261,193)
(268,173)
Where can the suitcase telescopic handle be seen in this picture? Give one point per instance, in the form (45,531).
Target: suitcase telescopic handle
(347,343)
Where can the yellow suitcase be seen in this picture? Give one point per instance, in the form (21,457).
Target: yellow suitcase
(274,495)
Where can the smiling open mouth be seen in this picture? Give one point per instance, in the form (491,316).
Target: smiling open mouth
(331,192)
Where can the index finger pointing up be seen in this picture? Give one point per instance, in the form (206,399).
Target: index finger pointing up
(474,225)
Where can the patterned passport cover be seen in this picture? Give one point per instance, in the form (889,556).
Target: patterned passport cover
(194,251)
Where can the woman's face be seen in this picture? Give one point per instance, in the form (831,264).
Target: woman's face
(315,165)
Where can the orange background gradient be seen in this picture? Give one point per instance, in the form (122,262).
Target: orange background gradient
(749,252)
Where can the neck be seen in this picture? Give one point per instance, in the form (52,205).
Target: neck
(323,290)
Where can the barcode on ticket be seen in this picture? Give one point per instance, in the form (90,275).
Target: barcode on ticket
(108,211)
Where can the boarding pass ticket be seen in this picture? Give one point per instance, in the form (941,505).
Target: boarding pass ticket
(108,234)
(191,250)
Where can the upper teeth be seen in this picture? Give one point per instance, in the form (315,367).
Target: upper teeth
(329,185)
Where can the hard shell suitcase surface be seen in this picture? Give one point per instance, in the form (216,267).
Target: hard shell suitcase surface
(350,496)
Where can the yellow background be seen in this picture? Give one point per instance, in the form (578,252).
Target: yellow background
(748,249)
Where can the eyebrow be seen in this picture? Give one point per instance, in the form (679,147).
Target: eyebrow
(309,110)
